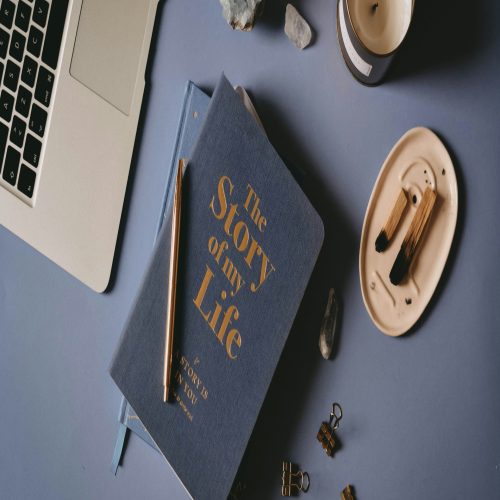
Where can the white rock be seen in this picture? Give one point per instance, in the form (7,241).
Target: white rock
(241,14)
(296,28)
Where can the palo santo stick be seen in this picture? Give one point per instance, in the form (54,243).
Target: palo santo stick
(387,232)
(412,237)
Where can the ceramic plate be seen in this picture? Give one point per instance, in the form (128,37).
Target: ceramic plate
(418,160)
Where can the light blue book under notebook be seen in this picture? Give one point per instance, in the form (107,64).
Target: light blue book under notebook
(193,111)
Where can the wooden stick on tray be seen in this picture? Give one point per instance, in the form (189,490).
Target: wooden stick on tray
(387,232)
(412,237)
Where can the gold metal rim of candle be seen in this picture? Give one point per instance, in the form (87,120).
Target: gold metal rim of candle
(358,38)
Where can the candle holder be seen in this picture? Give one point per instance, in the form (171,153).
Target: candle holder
(370,33)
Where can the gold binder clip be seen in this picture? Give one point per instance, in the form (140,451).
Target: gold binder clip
(326,433)
(347,493)
(293,480)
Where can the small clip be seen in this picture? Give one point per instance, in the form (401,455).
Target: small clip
(293,480)
(347,493)
(326,433)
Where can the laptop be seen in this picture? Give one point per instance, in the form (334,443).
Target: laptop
(72,82)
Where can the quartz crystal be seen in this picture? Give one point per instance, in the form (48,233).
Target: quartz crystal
(241,14)
(328,325)
(296,27)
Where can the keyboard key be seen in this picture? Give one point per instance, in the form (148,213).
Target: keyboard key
(6,105)
(1,71)
(29,71)
(11,77)
(26,182)
(40,12)
(38,120)
(17,131)
(35,40)
(32,150)
(23,16)
(17,44)
(7,13)
(44,85)
(11,165)
(23,101)
(55,28)
(4,43)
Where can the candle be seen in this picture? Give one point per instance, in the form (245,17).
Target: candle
(370,32)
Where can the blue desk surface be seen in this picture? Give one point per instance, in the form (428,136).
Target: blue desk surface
(421,413)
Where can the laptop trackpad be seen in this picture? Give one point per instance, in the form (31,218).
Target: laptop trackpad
(108,48)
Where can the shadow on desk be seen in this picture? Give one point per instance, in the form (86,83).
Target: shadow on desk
(443,35)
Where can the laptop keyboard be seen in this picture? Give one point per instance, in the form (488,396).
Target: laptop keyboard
(30,40)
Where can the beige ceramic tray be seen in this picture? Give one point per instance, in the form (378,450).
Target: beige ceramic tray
(417,161)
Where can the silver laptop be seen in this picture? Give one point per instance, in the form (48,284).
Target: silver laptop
(72,82)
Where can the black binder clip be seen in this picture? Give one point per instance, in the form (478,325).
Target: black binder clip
(326,433)
(293,480)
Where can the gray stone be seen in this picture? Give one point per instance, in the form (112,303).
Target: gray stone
(296,28)
(241,14)
(329,325)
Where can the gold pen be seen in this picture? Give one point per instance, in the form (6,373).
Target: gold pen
(172,281)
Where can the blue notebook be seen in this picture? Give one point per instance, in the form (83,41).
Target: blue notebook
(194,108)
(250,240)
